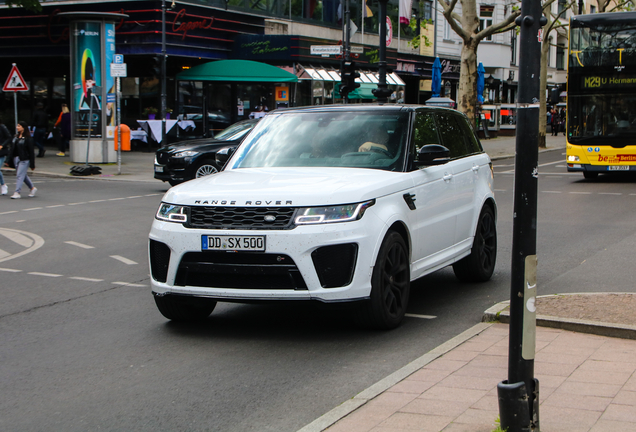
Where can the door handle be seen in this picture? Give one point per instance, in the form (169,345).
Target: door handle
(475,168)
(447,177)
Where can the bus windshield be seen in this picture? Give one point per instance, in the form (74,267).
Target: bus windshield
(603,119)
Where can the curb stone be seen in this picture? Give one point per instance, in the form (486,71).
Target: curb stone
(499,313)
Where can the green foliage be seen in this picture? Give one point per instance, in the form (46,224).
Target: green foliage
(499,429)
(30,5)
(417,39)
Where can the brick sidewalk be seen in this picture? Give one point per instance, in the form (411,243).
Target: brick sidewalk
(586,382)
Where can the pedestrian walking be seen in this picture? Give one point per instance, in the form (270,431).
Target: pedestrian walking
(562,117)
(556,122)
(40,121)
(23,156)
(64,124)
(5,146)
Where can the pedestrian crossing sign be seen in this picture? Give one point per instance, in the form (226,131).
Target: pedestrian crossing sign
(15,82)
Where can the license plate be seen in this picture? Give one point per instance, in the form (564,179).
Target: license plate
(618,168)
(233,243)
(158,168)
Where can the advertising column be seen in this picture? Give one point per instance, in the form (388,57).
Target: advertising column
(92,49)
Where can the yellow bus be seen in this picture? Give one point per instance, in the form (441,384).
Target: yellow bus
(601,103)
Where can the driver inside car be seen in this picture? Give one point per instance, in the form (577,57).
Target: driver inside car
(380,138)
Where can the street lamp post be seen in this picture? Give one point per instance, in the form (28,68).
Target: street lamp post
(519,394)
(382,92)
(163,70)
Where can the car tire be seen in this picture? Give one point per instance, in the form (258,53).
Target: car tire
(177,308)
(390,286)
(589,175)
(205,168)
(480,264)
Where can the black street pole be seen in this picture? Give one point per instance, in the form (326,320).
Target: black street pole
(163,70)
(382,92)
(519,395)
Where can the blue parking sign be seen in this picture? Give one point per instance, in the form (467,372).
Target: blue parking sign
(118,58)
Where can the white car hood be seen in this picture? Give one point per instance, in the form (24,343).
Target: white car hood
(295,187)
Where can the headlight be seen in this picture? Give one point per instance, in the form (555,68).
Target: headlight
(573,158)
(172,213)
(185,153)
(341,213)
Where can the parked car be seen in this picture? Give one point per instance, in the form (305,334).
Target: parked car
(186,160)
(336,203)
(217,120)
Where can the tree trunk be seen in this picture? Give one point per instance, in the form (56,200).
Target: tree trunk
(467,96)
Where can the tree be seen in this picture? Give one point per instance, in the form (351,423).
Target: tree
(30,5)
(554,23)
(466,26)
(614,6)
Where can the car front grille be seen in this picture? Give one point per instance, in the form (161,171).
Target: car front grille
(162,157)
(239,270)
(278,218)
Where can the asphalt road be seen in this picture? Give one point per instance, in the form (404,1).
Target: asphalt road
(82,346)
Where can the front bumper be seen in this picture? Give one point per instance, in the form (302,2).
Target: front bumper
(187,268)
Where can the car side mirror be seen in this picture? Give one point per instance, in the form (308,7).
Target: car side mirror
(223,155)
(432,154)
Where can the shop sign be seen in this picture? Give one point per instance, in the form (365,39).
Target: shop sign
(184,27)
(282,94)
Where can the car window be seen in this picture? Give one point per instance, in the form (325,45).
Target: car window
(452,135)
(235,131)
(362,139)
(472,143)
(424,131)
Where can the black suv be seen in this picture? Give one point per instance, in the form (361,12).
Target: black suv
(187,160)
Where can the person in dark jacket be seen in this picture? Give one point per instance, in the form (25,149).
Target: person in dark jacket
(23,157)
(64,123)
(5,146)
(40,122)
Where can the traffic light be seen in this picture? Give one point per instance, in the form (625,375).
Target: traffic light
(156,65)
(350,75)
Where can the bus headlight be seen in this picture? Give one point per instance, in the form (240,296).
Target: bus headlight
(573,158)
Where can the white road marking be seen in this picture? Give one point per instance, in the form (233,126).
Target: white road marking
(45,274)
(130,284)
(10,270)
(85,279)
(610,193)
(115,199)
(550,163)
(420,316)
(135,196)
(581,193)
(124,260)
(9,212)
(56,205)
(33,208)
(553,192)
(4,253)
(77,203)
(27,240)
(155,194)
(82,245)
(96,201)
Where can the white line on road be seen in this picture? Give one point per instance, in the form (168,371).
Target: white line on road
(96,201)
(581,193)
(124,260)
(155,194)
(610,193)
(420,316)
(4,253)
(130,284)
(17,237)
(116,199)
(9,212)
(77,203)
(553,192)
(33,208)
(85,279)
(56,205)
(10,270)
(134,196)
(82,245)
(45,274)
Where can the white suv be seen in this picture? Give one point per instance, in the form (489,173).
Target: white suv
(333,203)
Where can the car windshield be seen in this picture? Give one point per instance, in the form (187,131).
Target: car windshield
(235,132)
(363,139)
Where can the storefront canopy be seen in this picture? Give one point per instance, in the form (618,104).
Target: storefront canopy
(365,91)
(236,71)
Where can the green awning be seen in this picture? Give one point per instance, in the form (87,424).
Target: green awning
(236,71)
(362,92)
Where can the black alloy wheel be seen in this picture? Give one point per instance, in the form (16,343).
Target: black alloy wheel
(390,286)
(480,264)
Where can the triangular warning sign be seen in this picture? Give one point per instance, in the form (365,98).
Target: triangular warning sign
(15,82)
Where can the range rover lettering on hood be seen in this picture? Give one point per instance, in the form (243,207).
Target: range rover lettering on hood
(247,203)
